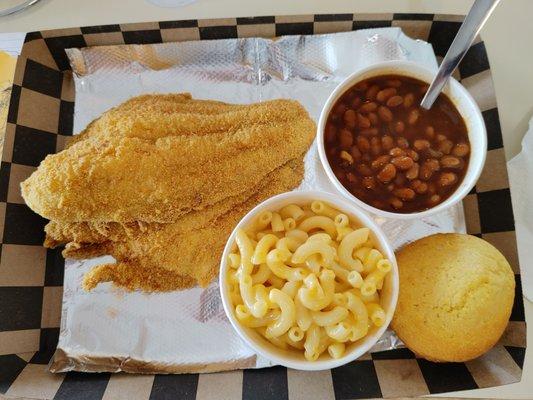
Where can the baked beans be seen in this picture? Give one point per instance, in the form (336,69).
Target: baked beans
(392,154)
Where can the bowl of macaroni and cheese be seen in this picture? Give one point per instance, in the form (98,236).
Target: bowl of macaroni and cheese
(308,280)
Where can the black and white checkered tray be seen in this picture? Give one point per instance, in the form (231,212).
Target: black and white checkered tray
(31,277)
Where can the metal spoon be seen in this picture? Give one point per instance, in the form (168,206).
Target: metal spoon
(472,24)
(18,7)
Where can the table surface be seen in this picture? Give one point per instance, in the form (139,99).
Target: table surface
(509,53)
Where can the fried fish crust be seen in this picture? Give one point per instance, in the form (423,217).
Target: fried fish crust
(159,181)
(134,174)
(170,258)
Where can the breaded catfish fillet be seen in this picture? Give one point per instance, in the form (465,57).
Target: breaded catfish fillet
(170,258)
(159,182)
(80,233)
(144,166)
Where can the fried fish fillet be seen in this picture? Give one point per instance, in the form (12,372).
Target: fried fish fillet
(126,171)
(78,234)
(136,240)
(146,260)
(159,182)
(180,106)
(155,116)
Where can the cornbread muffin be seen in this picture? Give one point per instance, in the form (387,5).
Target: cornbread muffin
(456,296)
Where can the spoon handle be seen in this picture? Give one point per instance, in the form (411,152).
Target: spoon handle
(472,24)
(17,7)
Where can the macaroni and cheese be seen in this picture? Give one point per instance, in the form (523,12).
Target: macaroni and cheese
(307,278)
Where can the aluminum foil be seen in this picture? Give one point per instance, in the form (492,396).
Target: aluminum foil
(110,329)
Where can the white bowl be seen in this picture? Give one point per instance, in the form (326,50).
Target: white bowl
(295,358)
(460,97)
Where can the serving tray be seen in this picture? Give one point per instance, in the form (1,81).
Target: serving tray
(31,277)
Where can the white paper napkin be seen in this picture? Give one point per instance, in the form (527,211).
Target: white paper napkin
(520,170)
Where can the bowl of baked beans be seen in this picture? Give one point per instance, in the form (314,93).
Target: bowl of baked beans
(390,156)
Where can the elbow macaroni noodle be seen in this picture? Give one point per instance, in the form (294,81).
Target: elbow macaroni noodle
(310,283)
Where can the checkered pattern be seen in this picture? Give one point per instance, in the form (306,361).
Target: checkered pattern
(39,122)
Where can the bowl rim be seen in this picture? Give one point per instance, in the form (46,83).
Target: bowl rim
(480,135)
(365,219)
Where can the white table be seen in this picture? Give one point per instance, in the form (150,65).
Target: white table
(508,37)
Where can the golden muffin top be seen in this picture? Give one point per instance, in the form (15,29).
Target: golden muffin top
(456,296)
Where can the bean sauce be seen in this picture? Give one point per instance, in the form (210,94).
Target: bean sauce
(392,154)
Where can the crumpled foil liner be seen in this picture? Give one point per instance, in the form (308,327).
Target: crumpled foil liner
(110,329)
